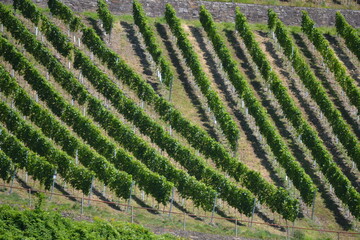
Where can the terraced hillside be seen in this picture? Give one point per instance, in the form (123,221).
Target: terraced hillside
(258,123)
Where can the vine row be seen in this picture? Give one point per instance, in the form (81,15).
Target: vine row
(253,181)
(187,185)
(105,15)
(283,155)
(7,167)
(239,198)
(79,177)
(276,197)
(149,181)
(146,179)
(351,36)
(340,127)
(341,184)
(119,182)
(152,47)
(162,188)
(227,124)
(22,157)
(322,45)
(196,136)
(36,166)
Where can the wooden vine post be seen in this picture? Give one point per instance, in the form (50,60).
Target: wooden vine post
(131,192)
(82,204)
(252,213)
(213,210)
(12,181)
(184,221)
(172,200)
(90,192)
(313,207)
(53,184)
(29,192)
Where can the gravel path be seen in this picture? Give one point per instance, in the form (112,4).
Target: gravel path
(196,235)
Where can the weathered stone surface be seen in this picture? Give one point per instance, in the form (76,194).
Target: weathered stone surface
(188,9)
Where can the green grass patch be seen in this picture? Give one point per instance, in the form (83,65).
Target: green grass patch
(40,224)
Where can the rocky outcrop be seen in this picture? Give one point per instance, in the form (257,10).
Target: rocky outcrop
(222,11)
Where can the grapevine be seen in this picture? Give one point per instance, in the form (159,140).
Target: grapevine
(341,184)
(187,186)
(79,177)
(152,47)
(277,198)
(22,157)
(322,45)
(68,113)
(350,35)
(293,169)
(227,124)
(105,16)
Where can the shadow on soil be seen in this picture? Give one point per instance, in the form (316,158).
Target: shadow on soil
(320,75)
(95,26)
(326,194)
(185,81)
(338,48)
(140,52)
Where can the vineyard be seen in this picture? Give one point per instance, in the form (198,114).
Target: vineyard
(258,123)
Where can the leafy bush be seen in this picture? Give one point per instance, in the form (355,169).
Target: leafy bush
(38,224)
(105,15)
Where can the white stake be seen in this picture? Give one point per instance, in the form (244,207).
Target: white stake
(159,75)
(131,191)
(12,181)
(90,192)
(171,201)
(213,210)
(252,213)
(313,207)
(76,157)
(184,221)
(53,185)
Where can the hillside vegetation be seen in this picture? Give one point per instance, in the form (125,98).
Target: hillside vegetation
(40,224)
(242,121)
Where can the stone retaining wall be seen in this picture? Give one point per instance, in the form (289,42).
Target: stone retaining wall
(222,11)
